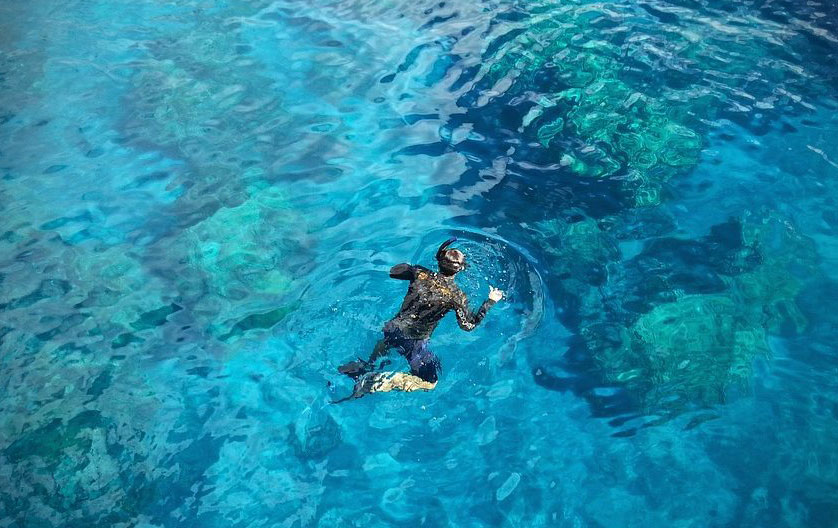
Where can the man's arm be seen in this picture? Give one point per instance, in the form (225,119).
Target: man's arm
(403,271)
(469,320)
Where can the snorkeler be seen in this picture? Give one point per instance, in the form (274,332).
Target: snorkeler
(429,297)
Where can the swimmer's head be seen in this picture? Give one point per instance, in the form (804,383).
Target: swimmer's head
(451,261)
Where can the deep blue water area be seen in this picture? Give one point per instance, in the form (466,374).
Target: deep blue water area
(200,201)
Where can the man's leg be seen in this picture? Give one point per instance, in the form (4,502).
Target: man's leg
(423,363)
(423,375)
(381,350)
(390,381)
(355,369)
(386,382)
(402,381)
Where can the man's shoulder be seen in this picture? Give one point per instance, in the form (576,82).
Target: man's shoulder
(423,273)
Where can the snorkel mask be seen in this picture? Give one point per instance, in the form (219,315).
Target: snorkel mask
(451,261)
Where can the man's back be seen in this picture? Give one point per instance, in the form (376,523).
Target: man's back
(429,297)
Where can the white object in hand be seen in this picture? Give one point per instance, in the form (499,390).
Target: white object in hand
(495,294)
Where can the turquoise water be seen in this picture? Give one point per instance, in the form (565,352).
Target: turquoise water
(200,201)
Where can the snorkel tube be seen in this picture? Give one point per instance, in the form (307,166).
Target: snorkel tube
(440,253)
(451,261)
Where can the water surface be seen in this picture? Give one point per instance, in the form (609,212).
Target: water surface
(200,201)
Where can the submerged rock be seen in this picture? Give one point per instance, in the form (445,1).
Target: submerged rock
(681,323)
(237,249)
(508,486)
(315,434)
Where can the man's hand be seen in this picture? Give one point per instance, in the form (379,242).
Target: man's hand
(495,294)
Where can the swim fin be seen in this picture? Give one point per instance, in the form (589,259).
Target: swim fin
(363,385)
(355,369)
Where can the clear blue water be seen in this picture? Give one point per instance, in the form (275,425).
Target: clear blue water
(199,202)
